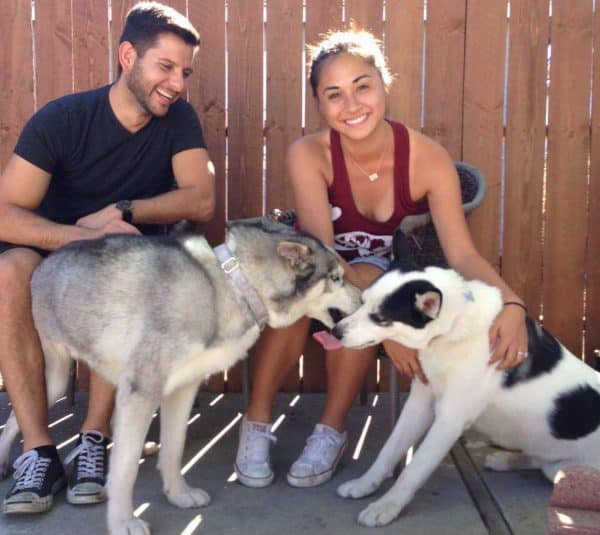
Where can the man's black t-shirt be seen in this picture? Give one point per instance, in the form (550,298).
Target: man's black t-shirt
(94,161)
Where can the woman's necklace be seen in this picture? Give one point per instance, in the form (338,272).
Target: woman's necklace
(375,175)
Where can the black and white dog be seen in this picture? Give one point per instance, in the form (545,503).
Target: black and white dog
(547,408)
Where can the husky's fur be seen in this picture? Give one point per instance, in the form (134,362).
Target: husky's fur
(156,317)
(547,408)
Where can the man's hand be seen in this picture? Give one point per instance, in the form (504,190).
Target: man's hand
(405,360)
(116,226)
(101,218)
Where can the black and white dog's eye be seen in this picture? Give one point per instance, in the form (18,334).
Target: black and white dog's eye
(379,320)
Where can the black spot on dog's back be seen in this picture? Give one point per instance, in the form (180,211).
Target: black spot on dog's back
(576,413)
(544,354)
(400,305)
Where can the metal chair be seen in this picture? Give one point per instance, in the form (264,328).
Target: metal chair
(427,251)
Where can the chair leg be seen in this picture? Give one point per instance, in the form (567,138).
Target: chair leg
(72,383)
(246,382)
(393,393)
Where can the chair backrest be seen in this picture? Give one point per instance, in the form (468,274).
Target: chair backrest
(419,230)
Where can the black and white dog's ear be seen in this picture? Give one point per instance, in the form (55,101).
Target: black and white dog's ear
(296,253)
(429,303)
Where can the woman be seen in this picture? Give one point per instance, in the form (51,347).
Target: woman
(353,183)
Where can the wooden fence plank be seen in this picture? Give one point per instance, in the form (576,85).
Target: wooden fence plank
(245,128)
(404,33)
(320,18)
(119,9)
(525,139)
(367,14)
(482,119)
(16,82)
(245,119)
(207,95)
(284,95)
(54,48)
(592,338)
(568,145)
(90,44)
(444,73)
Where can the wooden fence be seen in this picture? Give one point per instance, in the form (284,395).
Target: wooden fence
(511,87)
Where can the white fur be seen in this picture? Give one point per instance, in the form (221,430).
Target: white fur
(463,390)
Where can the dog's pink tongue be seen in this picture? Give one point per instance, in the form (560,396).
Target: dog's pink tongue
(328,341)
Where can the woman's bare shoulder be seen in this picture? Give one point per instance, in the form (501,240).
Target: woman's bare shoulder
(310,153)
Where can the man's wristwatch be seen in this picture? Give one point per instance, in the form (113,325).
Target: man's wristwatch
(126,208)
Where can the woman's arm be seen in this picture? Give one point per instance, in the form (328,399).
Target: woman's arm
(433,173)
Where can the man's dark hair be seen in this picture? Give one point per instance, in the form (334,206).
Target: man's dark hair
(145,22)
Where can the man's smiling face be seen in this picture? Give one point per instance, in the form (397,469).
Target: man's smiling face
(158,78)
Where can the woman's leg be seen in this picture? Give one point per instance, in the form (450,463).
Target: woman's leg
(273,356)
(347,368)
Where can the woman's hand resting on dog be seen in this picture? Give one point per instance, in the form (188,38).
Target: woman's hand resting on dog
(405,360)
(508,338)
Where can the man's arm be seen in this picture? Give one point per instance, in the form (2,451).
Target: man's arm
(22,188)
(193,200)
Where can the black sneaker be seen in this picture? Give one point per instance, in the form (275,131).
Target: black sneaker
(90,463)
(39,475)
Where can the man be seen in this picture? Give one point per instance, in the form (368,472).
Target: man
(94,163)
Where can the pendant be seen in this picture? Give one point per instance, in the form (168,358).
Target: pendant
(373,177)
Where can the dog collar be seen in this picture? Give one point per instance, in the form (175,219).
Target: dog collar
(231,266)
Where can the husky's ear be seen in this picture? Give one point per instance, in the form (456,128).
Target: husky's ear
(429,303)
(296,253)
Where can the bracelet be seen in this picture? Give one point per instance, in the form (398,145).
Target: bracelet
(516,303)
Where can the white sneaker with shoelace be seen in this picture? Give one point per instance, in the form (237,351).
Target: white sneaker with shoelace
(252,463)
(320,457)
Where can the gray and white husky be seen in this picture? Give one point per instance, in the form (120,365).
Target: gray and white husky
(157,316)
(547,409)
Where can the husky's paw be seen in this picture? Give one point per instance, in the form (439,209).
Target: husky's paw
(501,461)
(134,526)
(189,497)
(379,513)
(358,488)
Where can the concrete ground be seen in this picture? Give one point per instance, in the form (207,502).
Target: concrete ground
(459,498)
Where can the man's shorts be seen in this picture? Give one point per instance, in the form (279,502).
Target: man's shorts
(381,262)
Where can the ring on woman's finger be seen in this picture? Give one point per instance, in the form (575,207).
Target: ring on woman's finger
(522,354)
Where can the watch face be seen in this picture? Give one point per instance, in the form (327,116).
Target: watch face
(125,207)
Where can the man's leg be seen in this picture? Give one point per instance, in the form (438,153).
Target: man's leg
(21,358)
(100,406)
(90,457)
(38,472)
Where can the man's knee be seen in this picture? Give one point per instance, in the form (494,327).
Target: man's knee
(16,267)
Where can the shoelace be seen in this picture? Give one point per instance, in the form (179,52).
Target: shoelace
(91,456)
(257,448)
(318,444)
(30,470)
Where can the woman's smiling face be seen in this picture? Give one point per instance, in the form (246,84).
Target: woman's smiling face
(351,95)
